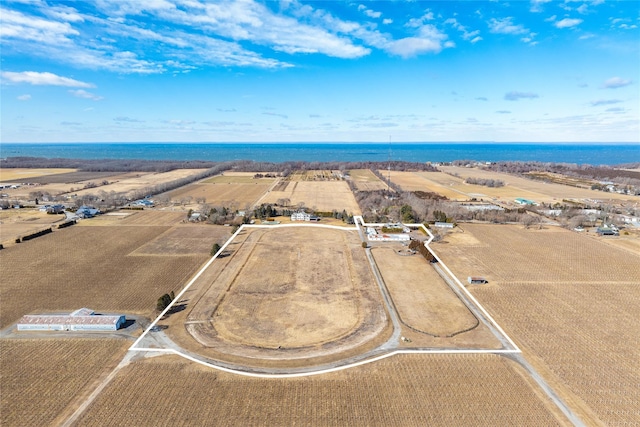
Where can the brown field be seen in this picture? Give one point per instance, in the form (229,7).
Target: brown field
(236,194)
(318,195)
(75,177)
(273,300)
(237,178)
(537,191)
(422,298)
(570,302)
(89,267)
(16,174)
(153,217)
(365,180)
(407,390)
(188,239)
(16,223)
(44,380)
(435,182)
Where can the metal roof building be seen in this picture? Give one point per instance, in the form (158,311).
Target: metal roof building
(83,319)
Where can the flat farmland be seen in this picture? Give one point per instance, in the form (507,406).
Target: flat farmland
(511,253)
(531,189)
(188,239)
(44,380)
(16,223)
(153,217)
(570,302)
(422,298)
(411,390)
(20,174)
(73,177)
(89,267)
(318,195)
(237,178)
(241,192)
(365,180)
(288,293)
(435,182)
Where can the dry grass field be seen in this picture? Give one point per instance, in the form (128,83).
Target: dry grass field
(435,182)
(422,298)
(365,180)
(89,267)
(571,302)
(530,189)
(285,294)
(407,390)
(16,223)
(44,380)
(242,194)
(319,195)
(188,239)
(18,174)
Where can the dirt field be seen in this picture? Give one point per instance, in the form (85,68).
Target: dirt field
(16,223)
(18,174)
(423,300)
(285,294)
(187,239)
(570,302)
(319,195)
(43,380)
(90,267)
(365,180)
(436,182)
(408,390)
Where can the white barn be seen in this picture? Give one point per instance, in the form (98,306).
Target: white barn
(83,319)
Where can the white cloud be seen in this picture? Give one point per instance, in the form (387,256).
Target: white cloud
(536,5)
(616,82)
(387,21)
(370,13)
(24,97)
(476,40)
(42,79)
(428,40)
(125,119)
(568,23)
(505,26)
(515,96)
(418,22)
(81,93)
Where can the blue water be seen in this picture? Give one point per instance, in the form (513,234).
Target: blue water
(595,154)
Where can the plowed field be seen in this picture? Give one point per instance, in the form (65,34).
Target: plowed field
(407,390)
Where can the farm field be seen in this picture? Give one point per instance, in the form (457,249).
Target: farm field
(319,195)
(274,301)
(44,380)
(365,180)
(537,191)
(570,302)
(238,190)
(423,300)
(187,239)
(90,267)
(18,174)
(416,390)
(435,182)
(16,223)
(73,177)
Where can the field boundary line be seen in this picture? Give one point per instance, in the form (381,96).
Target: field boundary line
(358,221)
(327,370)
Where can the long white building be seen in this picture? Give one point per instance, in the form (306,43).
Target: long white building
(83,319)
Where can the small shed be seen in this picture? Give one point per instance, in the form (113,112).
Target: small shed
(476,280)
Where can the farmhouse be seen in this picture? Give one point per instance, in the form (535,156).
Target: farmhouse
(303,216)
(83,319)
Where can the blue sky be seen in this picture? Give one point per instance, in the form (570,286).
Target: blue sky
(352,71)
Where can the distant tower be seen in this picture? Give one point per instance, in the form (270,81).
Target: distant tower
(389,170)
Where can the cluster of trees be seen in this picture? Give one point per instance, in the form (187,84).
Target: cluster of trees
(106,165)
(485,182)
(164,301)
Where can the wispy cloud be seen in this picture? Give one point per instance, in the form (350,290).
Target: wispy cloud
(42,79)
(503,112)
(481,98)
(24,97)
(567,23)
(506,26)
(370,13)
(515,96)
(81,93)
(125,119)
(269,113)
(428,40)
(604,102)
(536,5)
(616,82)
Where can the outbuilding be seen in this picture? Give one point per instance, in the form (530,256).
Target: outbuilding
(83,319)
